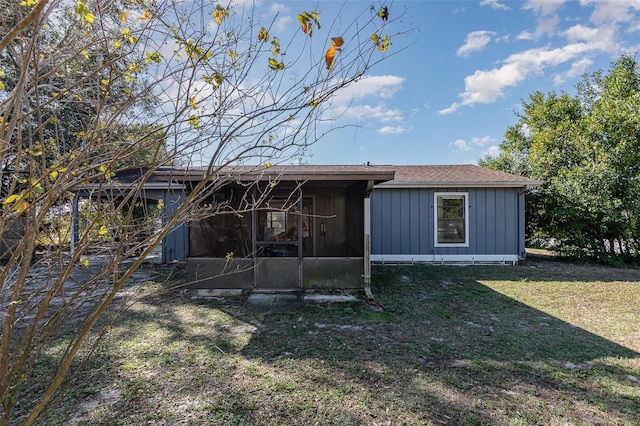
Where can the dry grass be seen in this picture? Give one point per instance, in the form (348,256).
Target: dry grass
(538,343)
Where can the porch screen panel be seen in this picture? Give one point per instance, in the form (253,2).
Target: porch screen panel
(278,227)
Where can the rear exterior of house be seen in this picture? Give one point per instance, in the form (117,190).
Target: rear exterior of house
(308,231)
(457,213)
(320,227)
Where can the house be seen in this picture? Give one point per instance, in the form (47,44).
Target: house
(450,213)
(319,227)
(308,227)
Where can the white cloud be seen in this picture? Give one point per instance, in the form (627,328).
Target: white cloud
(282,22)
(392,130)
(577,68)
(349,104)
(464,146)
(603,36)
(377,86)
(475,41)
(544,7)
(460,144)
(612,10)
(282,16)
(494,4)
(379,113)
(486,86)
(525,35)
(547,19)
(481,141)
(547,25)
(493,151)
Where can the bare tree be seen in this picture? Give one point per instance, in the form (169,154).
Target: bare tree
(88,90)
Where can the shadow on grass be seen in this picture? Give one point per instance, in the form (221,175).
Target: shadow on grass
(445,349)
(444,346)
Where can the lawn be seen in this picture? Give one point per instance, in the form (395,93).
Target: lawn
(542,342)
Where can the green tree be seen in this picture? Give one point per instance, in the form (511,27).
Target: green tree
(585,149)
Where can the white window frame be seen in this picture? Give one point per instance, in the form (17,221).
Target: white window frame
(465,196)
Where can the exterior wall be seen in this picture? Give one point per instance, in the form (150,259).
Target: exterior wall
(10,238)
(402,225)
(174,245)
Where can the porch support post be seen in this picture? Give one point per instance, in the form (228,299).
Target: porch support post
(299,225)
(254,237)
(367,242)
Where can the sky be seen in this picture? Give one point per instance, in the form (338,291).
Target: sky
(457,81)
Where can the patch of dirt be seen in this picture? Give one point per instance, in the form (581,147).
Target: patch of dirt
(105,398)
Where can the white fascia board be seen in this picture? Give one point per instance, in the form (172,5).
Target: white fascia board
(445,258)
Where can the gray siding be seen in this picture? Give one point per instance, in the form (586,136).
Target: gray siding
(402,222)
(174,245)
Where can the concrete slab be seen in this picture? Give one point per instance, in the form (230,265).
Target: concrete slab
(330,298)
(272,302)
(287,303)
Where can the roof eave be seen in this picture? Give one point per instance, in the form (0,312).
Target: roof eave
(365,175)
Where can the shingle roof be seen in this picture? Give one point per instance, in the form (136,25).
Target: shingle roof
(466,175)
(454,175)
(286,172)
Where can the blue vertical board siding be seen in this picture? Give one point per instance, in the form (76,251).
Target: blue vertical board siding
(403,221)
(426,220)
(501,218)
(511,212)
(414,222)
(480,221)
(174,245)
(492,221)
(387,230)
(395,222)
(406,228)
(473,217)
(376,216)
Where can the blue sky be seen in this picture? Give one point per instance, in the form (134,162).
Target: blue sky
(451,94)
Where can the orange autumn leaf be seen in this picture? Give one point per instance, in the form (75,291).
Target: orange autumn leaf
(304,28)
(336,42)
(331,53)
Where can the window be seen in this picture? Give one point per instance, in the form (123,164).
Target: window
(278,224)
(452,219)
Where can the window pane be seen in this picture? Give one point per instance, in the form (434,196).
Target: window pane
(278,222)
(451,220)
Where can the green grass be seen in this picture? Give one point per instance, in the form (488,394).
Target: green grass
(538,343)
